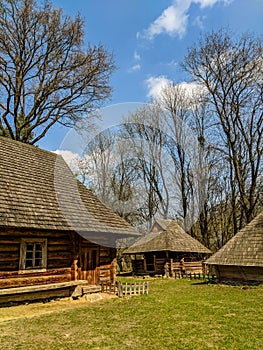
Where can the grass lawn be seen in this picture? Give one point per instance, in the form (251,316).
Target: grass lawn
(177,314)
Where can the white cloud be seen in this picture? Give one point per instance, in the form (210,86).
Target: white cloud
(70,158)
(174,19)
(136,56)
(134,68)
(138,35)
(199,22)
(191,89)
(172,63)
(207,3)
(155,85)
(137,65)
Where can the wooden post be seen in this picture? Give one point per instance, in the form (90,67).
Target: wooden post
(120,289)
(166,270)
(171,268)
(74,270)
(144,264)
(79,274)
(154,263)
(182,266)
(203,267)
(113,271)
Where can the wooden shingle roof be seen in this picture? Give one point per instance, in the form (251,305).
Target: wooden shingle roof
(244,249)
(38,190)
(167,235)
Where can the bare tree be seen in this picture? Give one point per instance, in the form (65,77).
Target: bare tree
(108,168)
(187,122)
(231,70)
(145,131)
(96,167)
(126,188)
(46,76)
(174,100)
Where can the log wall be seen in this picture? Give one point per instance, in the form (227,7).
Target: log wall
(245,273)
(63,249)
(108,265)
(168,264)
(59,258)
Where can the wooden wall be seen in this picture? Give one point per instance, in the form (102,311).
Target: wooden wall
(107,262)
(155,262)
(108,265)
(59,258)
(62,248)
(245,273)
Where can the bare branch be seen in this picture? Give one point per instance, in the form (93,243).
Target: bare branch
(46,75)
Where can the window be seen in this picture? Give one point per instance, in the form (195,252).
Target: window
(33,254)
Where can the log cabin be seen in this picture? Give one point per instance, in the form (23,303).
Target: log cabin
(168,250)
(240,260)
(56,237)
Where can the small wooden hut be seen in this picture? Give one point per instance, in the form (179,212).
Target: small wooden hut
(168,250)
(241,258)
(54,233)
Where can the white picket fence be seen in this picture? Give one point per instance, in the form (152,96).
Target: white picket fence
(124,289)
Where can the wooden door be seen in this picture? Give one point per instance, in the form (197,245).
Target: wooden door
(150,262)
(90,265)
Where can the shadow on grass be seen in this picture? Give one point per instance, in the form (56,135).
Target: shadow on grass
(203,283)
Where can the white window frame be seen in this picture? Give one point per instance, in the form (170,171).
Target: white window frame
(22,261)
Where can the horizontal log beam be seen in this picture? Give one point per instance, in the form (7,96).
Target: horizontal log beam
(41,287)
(14,274)
(28,281)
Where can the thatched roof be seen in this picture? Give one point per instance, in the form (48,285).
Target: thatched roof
(167,235)
(38,190)
(244,249)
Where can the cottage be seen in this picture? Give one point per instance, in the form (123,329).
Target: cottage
(168,250)
(54,233)
(241,258)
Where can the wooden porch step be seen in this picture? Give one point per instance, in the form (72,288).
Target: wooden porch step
(91,289)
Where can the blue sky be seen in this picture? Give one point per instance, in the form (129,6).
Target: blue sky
(149,39)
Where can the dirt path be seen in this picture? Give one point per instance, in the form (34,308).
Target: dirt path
(40,308)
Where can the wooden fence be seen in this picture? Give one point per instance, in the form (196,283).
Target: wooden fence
(174,269)
(124,289)
(192,270)
(108,287)
(207,277)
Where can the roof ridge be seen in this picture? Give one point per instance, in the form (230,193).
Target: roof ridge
(172,238)
(164,223)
